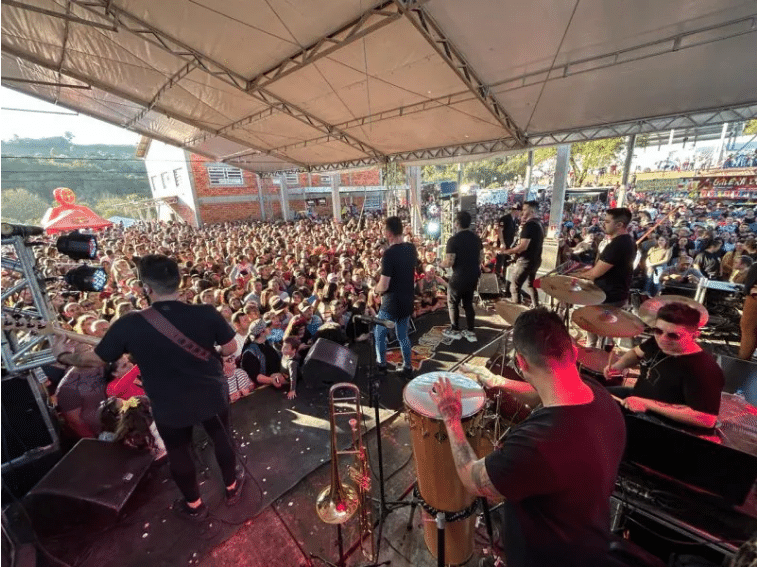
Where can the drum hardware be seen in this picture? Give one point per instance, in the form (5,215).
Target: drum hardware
(572,290)
(608,321)
(648,310)
(448,537)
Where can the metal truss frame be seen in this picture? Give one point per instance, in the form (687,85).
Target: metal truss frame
(719,115)
(366,23)
(61,15)
(132,24)
(670,44)
(431,31)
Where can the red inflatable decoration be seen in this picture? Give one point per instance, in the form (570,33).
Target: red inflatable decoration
(69,216)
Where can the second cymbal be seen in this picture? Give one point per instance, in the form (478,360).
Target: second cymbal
(509,311)
(648,310)
(574,291)
(607,321)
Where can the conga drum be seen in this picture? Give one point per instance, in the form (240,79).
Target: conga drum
(438,483)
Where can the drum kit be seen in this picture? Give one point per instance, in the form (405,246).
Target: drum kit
(448,508)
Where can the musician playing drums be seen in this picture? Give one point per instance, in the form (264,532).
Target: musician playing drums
(557,468)
(678,379)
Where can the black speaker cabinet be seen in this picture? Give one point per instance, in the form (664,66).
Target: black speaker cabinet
(327,363)
(488,284)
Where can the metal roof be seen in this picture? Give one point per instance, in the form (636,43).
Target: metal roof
(272,85)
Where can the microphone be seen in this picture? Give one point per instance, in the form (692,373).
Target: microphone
(376,321)
(9,229)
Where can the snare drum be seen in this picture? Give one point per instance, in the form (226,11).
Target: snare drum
(438,482)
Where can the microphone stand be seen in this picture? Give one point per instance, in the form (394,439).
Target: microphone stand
(374,396)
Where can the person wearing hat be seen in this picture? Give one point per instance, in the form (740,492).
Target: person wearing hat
(259,359)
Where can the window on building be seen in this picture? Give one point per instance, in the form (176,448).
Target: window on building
(177,176)
(225,175)
(154,183)
(293,179)
(165,179)
(325,179)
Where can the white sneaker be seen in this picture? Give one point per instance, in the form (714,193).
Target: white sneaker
(451,333)
(470,335)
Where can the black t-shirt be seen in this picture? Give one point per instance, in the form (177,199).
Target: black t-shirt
(398,263)
(532,230)
(694,380)
(509,227)
(557,470)
(183,389)
(709,264)
(616,282)
(466,246)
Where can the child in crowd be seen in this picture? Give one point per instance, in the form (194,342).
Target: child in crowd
(290,365)
(240,384)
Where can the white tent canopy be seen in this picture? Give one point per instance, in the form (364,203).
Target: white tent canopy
(272,85)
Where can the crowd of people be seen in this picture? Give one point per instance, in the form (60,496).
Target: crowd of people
(238,305)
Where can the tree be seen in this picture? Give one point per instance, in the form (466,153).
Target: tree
(750,127)
(116,205)
(585,156)
(22,206)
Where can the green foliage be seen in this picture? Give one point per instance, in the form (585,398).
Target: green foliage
(94,172)
(116,205)
(750,127)
(22,206)
(493,172)
(585,156)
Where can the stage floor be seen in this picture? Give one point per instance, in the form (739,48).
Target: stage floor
(286,446)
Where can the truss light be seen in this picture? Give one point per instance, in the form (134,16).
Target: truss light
(78,246)
(87,278)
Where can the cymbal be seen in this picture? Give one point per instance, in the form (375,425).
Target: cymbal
(574,291)
(608,321)
(648,310)
(509,311)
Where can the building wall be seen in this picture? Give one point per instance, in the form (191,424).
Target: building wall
(169,176)
(176,173)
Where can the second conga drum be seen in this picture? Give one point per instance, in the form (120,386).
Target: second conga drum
(438,482)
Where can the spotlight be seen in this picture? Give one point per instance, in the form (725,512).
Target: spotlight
(433,229)
(77,246)
(87,278)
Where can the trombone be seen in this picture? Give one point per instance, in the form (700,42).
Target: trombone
(338,502)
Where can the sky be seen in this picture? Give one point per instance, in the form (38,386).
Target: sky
(41,125)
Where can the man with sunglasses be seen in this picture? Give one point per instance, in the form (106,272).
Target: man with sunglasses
(678,379)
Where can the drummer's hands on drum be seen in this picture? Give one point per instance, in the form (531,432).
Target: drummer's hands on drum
(447,399)
(476,372)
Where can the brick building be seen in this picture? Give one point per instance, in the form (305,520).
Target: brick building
(196,190)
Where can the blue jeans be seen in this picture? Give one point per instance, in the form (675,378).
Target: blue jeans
(404,340)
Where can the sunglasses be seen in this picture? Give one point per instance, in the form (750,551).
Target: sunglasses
(672,336)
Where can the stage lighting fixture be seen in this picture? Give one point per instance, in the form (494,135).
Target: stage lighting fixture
(433,229)
(87,278)
(78,246)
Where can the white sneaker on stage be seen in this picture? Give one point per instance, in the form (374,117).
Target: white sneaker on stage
(470,335)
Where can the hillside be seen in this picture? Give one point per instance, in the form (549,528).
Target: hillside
(99,174)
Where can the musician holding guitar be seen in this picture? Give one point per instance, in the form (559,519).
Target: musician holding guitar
(527,253)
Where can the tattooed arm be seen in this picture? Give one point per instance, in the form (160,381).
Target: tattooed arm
(470,469)
(677,412)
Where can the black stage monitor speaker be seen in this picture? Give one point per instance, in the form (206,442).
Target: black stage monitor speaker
(328,362)
(488,284)
(94,479)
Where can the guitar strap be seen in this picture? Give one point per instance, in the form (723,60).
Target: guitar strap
(166,328)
